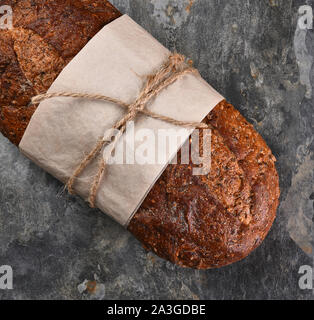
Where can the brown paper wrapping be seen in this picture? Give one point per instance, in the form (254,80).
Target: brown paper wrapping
(114,63)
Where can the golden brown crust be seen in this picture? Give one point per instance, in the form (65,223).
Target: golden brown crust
(45,37)
(193,221)
(214,220)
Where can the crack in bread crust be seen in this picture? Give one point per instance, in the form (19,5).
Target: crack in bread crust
(60,29)
(194,221)
(42,71)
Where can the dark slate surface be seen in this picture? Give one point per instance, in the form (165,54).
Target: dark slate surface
(247,50)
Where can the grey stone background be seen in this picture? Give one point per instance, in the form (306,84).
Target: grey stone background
(248,51)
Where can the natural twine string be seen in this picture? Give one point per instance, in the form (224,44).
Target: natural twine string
(171,71)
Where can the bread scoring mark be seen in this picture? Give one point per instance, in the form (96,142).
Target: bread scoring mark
(39,62)
(64,26)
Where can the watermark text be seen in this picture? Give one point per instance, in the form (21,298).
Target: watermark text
(6,278)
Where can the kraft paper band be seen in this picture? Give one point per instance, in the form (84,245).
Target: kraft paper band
(114,63)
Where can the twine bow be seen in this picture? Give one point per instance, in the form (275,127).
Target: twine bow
(171,71)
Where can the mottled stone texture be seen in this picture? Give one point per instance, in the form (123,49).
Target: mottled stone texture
(247,51)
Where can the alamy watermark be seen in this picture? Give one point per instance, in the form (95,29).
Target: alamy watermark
(306,280)
(6,278)
(6,17)
(6,272)
(305,20)
(304,59)
(146,146)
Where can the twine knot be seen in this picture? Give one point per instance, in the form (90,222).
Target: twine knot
(176,60)
(170,72)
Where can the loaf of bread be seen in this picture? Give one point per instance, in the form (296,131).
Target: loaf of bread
(194,221)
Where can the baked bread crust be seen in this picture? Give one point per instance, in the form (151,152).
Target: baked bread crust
(46,36)
(211,221)
(193,221)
